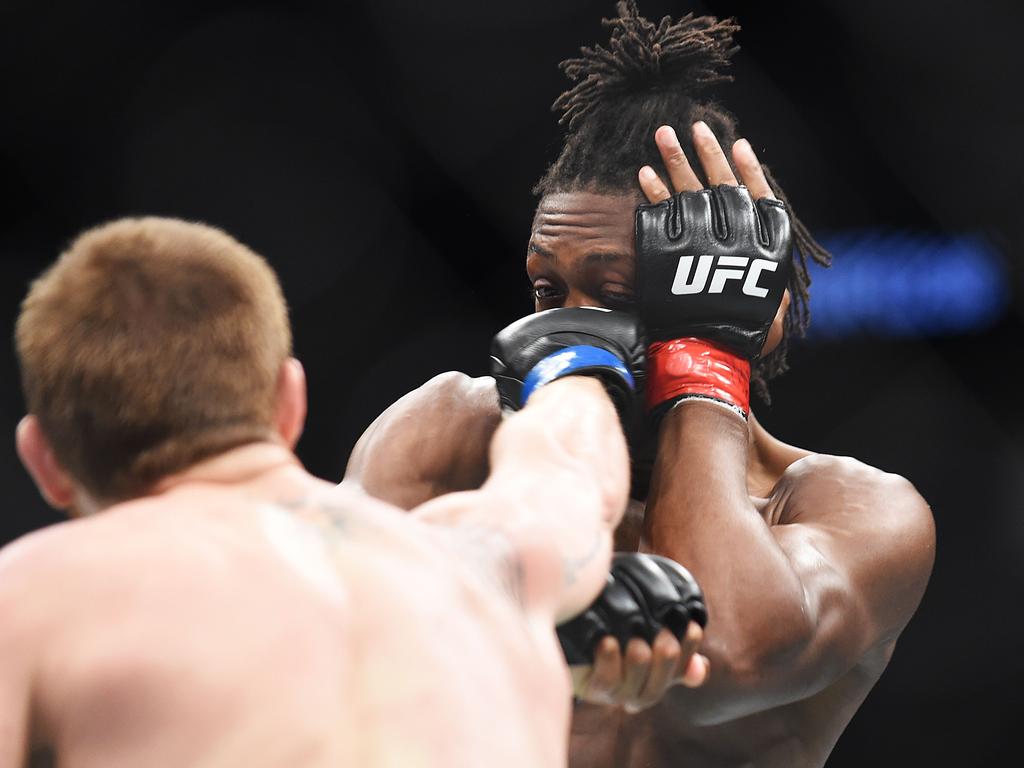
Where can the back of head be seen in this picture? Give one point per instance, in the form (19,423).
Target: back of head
(652,75)
(151,344)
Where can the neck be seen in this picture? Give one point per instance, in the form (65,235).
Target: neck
(249,465)
(769,458)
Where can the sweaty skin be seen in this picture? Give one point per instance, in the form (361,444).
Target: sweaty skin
(811,564)
(249,614)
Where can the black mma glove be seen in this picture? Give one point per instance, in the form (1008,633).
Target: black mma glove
(587,341)
(644,593)
(712,268)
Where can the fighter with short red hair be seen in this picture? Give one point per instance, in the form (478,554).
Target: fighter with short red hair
(214,604)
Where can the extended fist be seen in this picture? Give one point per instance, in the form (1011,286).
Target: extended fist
(548,345)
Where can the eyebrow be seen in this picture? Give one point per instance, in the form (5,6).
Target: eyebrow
(604,257)
(595,257)
(534,248)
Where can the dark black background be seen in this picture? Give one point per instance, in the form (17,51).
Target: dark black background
(381,155)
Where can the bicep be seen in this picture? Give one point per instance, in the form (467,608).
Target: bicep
(432,441)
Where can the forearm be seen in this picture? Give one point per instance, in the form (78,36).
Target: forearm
(568,438)
(560,469)
(700,513)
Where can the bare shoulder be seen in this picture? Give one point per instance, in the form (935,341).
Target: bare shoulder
(821,485)
(433,440)
(872,528)
(22,564)
(85,548)
(43,573)
(449,402)
(452,395)
(30,558)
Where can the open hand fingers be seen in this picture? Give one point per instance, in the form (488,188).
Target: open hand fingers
(682,177)
(679,171)
(712,158)
(654,188)
(750,170)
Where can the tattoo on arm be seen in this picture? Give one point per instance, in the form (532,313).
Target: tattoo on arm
(514,578)
(492,552)
(572,566)
(487,547)
(490,547)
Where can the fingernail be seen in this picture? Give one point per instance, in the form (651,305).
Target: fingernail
(647,173)
(696,671)
(700,127)
(671,132)
(746,146)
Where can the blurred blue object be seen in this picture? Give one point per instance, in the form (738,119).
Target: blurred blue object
(902,285)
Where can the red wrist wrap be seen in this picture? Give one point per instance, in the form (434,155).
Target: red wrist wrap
(696,368)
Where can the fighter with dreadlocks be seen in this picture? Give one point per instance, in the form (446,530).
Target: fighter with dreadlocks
(811,565)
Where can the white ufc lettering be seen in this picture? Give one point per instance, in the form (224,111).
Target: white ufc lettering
(728,268)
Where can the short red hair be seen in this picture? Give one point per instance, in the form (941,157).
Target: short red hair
(149,345)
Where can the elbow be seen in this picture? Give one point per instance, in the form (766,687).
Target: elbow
(752,668)
(762,642)
(774,653)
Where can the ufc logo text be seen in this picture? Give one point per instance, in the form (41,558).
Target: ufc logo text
(728,268)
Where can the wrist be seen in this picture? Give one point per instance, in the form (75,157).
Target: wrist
(691,368)
(581,362)
(578,386)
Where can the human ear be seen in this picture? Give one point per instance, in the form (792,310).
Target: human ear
(290,408)
(52,480)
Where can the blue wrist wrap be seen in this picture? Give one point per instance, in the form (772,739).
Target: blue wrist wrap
(569,361)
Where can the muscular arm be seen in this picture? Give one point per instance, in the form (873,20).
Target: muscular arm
(557,489)
(432,441)
(798,592)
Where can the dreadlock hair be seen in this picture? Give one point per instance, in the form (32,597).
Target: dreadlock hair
(652,75)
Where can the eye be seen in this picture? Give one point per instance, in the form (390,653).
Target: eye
(615,295)
(545,291)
